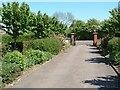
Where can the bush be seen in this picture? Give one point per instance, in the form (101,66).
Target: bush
(61,38)
(113,44)
(117,57)
(99,44)
(48,44)
(114,48)
(48,55)
(9,72)
(15,57)
(104,42)
(6,48)
(27,45)
(33,57)
(36,57)
(6,38)
(104,45)
(14,62)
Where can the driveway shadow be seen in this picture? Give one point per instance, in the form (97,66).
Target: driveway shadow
(105,82)
(98,60)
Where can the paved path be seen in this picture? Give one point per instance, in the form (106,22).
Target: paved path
(80,66)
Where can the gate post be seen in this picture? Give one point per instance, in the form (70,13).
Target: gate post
(72,40)
(95,37)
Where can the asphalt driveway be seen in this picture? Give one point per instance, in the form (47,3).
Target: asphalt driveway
(81,66)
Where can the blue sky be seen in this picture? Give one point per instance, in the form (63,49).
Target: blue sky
(80,10)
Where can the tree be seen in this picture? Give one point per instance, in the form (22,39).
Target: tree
(65,18)
(115,21)
(112,25)
(44,26)
(92,24)
(15,19)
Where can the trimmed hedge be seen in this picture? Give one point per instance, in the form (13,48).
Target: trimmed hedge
(51,45)
(48,44)
(25,37)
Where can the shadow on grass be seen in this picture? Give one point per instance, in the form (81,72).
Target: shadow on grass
(105,82)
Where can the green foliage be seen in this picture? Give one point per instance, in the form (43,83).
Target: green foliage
(48,44)
(61,38)
(92,25)
(111,26)
(16,58)
(14,62)
(5,48)
(113,44)
(27,45)
(114,48)
(43,25)
(15,19)
(34,57)
(24,42)
(104,45)
(84,30)
(48,55)
(9,72)
(117,57)
(6,38)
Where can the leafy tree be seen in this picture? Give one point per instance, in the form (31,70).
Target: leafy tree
(112,25)
(114,21)
(45,26)
(92,24)
(36,24)
(15,19)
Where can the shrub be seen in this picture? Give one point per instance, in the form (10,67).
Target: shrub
(9,72)
(6,48)
(25,37)
(48,44)
(104,42)
(61,38)
(27,45)
(48,55)
(117,57)
(99,44)
(6,38)
(33,57)
(114,48)
(36,57)
(104,45)
(15,57)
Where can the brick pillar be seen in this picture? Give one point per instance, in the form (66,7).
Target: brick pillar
(72,39)
(95,37)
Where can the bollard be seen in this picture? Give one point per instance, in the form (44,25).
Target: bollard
(95,37)
(72,41)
